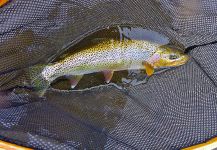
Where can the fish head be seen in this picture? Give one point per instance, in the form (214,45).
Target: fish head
(169,57)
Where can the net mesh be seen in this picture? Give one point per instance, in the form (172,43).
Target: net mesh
(172,110)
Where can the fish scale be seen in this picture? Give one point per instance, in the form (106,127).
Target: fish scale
(106,55)
(109,56)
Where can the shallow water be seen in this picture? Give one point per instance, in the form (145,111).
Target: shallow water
(120,79)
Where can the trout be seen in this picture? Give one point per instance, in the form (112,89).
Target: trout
(107,57)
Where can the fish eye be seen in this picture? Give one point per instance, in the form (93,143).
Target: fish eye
(173,56)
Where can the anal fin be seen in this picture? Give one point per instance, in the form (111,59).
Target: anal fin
(108,75)
(74,80)
(149,68)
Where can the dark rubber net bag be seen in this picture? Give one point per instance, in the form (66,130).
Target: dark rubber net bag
(173,110)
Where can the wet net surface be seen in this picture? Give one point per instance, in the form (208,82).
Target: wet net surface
(174,109)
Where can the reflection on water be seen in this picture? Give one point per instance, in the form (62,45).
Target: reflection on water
(120,78)
(140,34)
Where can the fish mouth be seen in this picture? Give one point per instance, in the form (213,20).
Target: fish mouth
(183,60)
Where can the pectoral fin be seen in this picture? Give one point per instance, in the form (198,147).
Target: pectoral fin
(108,75)
(74,80)
(149,68)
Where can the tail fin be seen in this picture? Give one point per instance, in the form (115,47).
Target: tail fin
(38,82)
